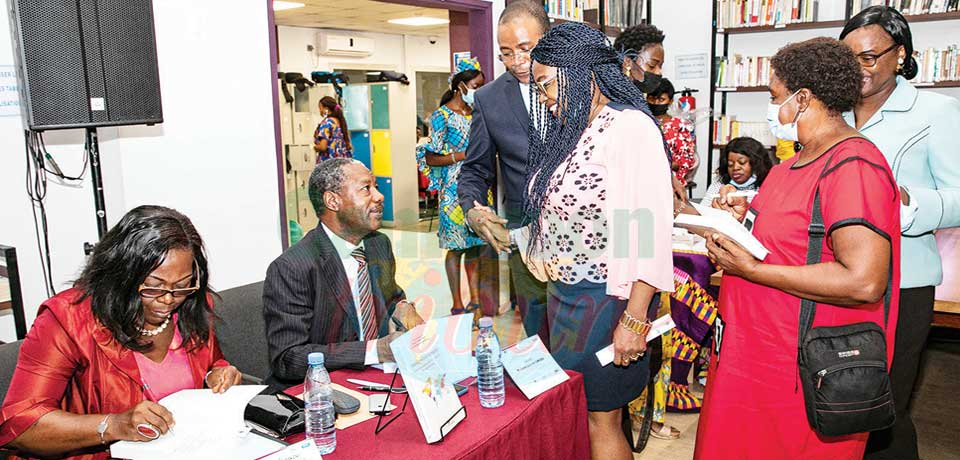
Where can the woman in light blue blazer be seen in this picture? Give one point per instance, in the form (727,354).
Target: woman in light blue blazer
(917,133)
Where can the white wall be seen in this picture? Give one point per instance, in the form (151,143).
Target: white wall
(213,158)
(391,51)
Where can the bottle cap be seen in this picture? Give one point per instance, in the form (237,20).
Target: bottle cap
(315,358)
(486,321)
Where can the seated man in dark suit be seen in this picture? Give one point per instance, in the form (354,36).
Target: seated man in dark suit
(334,291)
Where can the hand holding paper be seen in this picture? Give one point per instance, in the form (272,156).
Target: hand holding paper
(657,328)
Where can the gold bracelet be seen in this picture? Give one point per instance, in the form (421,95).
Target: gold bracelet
(634,325)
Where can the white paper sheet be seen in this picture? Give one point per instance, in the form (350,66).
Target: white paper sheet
(657,328)
(208,426)
(722,222)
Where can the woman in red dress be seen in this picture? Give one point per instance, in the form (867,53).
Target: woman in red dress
(753,407)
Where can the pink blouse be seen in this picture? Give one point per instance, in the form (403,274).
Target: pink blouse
(170,375)
(608,215)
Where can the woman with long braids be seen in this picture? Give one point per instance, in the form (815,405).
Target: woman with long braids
(440,160)
(598,233)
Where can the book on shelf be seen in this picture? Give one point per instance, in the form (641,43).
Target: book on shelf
(620,13)
(753,13)
(910,7)
(571,10)
(742,70)
(727,127)
(937,65)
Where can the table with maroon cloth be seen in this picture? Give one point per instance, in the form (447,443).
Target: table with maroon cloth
(552,425)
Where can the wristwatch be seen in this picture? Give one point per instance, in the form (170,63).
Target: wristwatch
(102,428)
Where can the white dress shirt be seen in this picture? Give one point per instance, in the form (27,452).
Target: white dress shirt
(525,92)
(351,265)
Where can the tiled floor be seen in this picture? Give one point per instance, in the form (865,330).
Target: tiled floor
(420,272)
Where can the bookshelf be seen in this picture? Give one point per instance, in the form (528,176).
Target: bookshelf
(594,13)
(721,47)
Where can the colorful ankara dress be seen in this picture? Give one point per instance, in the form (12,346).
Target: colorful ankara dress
(336,143)
(449,134)
(753,407)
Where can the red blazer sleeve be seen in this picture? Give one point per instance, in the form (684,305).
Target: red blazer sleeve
(48,359)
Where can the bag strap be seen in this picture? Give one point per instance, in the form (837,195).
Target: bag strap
(816,232)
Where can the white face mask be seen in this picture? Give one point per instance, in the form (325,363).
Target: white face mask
(781,131)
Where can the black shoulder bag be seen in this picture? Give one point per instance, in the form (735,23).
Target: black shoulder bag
(843,369)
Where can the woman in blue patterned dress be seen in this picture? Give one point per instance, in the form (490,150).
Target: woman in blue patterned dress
(440,161)
(332,138)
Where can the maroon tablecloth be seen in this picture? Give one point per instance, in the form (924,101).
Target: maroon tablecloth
(551,426)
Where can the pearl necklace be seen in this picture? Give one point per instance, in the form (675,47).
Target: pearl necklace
(157,331)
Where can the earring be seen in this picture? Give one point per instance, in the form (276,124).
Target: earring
(626,72)
(900,61)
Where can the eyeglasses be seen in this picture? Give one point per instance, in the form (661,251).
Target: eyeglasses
(541,86)
(870,60)
(525,54)
(155,292)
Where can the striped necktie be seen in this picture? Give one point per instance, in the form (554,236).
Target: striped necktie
(367,314)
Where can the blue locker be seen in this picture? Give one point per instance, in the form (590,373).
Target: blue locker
(361,146)
(385,185)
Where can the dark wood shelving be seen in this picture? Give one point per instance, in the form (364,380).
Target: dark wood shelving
(941,84)
(612,31)
(741,89)
(933,17)
(782,27)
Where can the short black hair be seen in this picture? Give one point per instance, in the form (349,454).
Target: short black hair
(327,176)
(895,25)
(123,259)
(825,66)
(528,8)
(635,38)
(665,87)
(760,159)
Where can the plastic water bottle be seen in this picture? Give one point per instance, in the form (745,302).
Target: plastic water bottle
(318,405)
(489,366)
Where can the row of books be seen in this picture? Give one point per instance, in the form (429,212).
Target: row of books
(938,65)
(566,9)
(908,7)
(727,127)
(742,70)
(622,13)
(750,13)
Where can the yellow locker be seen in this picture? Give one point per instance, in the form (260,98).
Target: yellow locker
(380,157)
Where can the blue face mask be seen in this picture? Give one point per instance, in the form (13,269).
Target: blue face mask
(746,185)
(468,96)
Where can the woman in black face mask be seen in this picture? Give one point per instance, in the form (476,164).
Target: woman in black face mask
(677,132)
(643,46)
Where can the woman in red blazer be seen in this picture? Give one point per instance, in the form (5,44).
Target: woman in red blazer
(135,327)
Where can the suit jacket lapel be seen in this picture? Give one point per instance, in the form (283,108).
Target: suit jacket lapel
(514,98)
(334,277)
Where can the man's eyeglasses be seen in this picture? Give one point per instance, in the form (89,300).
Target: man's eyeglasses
(541,86)
(512,57)
(870,60)
(155,292)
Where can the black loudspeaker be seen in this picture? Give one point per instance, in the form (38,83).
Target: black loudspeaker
(86,63)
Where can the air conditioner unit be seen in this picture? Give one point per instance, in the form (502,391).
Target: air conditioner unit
(344,45)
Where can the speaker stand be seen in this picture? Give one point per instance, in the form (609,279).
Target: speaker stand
(93,149)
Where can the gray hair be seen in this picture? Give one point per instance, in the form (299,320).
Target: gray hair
(525,8)
(328,176)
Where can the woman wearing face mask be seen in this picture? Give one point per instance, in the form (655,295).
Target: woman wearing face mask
(677,132)
(747,164)
(332,137)
(916,131)
(440,161)
(752,406)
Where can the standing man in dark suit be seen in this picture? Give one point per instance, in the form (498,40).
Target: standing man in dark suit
(498,135)
(334,291)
